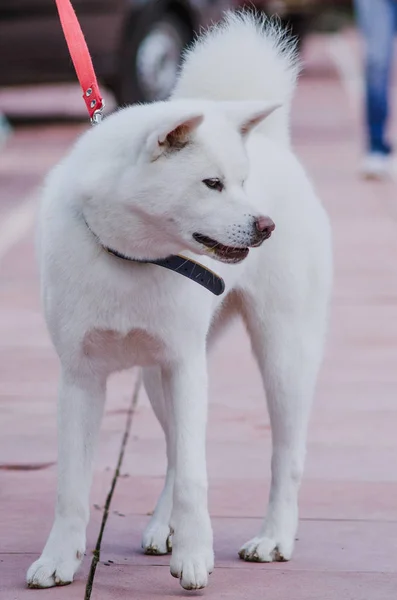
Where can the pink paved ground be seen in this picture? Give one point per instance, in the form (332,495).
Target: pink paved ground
(347,547)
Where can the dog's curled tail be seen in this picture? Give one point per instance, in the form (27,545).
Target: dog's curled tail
(245,57)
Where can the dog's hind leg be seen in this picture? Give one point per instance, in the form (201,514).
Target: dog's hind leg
(80,409)
(157,535)
(288,345)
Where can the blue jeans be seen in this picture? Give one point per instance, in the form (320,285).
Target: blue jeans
(378,22)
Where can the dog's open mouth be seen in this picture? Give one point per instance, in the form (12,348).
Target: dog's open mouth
(228,254)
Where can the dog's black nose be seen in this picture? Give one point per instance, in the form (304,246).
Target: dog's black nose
(264,226)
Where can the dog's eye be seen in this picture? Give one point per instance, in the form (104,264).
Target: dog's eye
(214,184)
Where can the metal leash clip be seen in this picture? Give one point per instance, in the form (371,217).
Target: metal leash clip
(98,115)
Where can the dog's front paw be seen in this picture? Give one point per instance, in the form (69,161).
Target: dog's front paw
(267,549)
(157,539)
(193,556)
(192,570)
(61,557)
(47,572)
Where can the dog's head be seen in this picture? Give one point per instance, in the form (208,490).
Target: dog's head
(174,180)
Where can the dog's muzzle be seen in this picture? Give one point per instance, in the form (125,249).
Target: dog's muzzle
(263,228)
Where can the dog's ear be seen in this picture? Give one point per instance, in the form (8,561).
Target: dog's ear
(247,115)
(173,135)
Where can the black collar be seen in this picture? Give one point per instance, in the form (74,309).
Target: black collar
(179,264)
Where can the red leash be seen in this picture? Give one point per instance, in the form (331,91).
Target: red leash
(81,59)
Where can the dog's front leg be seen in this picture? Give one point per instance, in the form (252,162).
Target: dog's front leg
(185,387)
(80,408)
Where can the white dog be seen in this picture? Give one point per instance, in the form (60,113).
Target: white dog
(203,174)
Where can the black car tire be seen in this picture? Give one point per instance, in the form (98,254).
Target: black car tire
(152,40)
(298,25)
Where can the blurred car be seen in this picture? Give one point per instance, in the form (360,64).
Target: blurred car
(297,14)
(135,45)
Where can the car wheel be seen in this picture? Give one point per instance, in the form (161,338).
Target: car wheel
(299,27)
(150,59)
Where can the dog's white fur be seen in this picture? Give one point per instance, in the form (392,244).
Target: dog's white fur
(141,192)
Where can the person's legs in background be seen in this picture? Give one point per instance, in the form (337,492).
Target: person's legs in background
(377,20)
(5,130)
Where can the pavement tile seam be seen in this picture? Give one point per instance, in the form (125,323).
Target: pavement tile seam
(275,568)
(302,519)
(126,434)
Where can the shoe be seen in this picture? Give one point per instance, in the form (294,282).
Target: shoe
(376,166)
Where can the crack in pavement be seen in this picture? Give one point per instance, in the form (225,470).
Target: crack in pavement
(97,551)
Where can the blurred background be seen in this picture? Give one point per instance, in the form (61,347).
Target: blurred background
(135,44)
(347,544)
